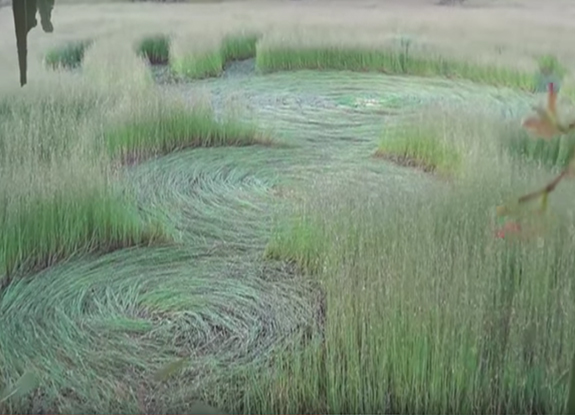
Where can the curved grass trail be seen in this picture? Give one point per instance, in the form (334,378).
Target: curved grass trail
(96,329)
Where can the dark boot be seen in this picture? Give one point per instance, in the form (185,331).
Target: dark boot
(45,8)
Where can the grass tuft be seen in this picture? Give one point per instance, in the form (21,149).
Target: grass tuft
(422,142)
(156,49)
(164,128)
(239,46)
(199,65)
(68,56)
(209,61)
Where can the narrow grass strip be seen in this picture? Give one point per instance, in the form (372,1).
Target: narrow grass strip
(198,65)
(272,58)
(68,56)
(169,129)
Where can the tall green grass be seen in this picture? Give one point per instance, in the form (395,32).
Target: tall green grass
(239,46)
(165,127)
(67,56)
(422,145)
(401,58)
(56,194)
(156,49)
(426,311)
(61,145)
(209,61)
(554,153)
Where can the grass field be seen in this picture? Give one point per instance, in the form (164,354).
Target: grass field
(284,207)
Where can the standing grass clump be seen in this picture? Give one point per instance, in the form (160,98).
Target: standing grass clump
(56,194)
(156,49)
(194,60)
(402,56)
(68,56)
(434,140)
(421,146)
(166,126)
(426,311)
(239,46)
(546,136)
(553,153)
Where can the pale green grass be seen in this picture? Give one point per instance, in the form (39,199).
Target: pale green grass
(426,310)
(420,143)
